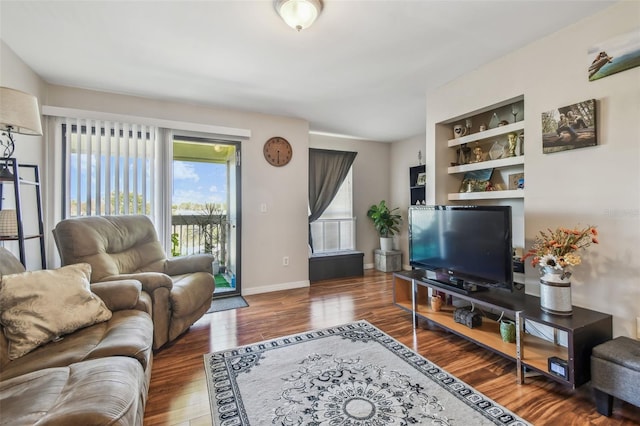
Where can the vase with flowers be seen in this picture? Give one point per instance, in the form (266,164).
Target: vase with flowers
(555,252)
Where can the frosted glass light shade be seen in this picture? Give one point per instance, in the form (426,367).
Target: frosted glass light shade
(299,14)
(8,223)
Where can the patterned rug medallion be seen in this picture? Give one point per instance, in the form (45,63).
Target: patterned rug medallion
(352,374)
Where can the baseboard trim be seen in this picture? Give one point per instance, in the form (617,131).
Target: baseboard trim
(275,287)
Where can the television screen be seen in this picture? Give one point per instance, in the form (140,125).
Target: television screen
(470,244)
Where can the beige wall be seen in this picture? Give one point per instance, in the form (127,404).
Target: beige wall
(597,185)
(266,237)
(370,184)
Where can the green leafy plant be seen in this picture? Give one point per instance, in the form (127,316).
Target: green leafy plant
(175,245)
(385,220)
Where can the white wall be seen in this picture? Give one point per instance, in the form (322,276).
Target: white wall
(370,184)
(597,185)
(14,73)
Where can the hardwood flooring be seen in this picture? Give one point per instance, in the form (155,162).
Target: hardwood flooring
(178,391)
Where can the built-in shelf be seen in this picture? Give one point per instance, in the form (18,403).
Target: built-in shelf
(491,164)
(486,195)
(487,134)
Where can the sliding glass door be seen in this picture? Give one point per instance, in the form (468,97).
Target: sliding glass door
(205,204)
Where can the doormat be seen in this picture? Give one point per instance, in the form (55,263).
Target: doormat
(352,374)
(227,303)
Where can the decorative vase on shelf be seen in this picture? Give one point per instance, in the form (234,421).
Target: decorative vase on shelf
(494,121)
(555,291)
(508,331)
(436,303)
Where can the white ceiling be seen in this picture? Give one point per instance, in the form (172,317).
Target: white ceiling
(362,69)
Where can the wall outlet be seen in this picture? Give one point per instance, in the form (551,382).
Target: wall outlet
(285,261)
(263,208)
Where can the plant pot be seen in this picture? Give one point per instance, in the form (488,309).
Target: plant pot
(436,303)
(555,291)
(386,243)
(508,331)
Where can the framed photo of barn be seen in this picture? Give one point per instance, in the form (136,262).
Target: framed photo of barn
(569,127)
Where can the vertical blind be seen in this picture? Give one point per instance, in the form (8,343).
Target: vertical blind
(109,168)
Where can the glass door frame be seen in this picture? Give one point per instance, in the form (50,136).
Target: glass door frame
(233,167)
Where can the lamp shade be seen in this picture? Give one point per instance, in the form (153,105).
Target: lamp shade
(8,223)
(19,112)
(299,14)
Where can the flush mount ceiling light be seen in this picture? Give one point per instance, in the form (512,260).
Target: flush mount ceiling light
(299,14)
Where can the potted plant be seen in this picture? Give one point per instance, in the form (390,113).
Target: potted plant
(386,223)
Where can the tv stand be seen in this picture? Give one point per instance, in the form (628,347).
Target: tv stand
(531,353)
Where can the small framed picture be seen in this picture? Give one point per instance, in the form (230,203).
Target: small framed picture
(516,181)
(569,127)
(422,179)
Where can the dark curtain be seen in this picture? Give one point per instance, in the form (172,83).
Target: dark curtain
(327,170)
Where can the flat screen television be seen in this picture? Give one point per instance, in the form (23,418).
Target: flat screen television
(467,247)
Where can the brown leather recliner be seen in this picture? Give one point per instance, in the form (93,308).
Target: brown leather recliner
(127,247)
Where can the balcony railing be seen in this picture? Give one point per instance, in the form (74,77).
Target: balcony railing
(199,234)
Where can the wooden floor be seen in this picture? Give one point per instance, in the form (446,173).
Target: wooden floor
(178,392)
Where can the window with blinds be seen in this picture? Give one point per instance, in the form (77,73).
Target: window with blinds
(335,229)
(109,168)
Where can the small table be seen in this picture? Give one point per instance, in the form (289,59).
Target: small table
(388,261)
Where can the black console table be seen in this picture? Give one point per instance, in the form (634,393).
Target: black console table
(569,342)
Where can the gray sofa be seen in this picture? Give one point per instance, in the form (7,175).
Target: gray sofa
(96,375)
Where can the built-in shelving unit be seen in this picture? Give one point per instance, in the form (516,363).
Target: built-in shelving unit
(489,164)
(487,195)
(417,187)
(485,146)
(461,175)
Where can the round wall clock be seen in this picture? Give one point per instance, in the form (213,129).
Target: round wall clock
(277,151)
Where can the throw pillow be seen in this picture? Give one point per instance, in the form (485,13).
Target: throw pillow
(40,306)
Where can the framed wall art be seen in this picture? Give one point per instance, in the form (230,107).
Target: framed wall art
(614,55)
(569,127)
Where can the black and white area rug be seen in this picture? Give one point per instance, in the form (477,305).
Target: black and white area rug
(353,374)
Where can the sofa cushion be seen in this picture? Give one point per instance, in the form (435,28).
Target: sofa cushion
(128,333)
(106,391)
(41,306)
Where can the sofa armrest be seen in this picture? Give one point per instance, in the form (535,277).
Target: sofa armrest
(157,286)
(151,281)
(187,264)
(118,295)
